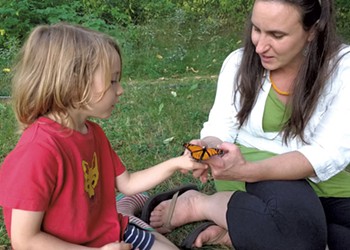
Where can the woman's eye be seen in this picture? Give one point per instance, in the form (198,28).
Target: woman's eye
(114,82)
(277,35)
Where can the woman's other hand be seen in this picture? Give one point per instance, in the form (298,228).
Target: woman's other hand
(117,246)
(229,165)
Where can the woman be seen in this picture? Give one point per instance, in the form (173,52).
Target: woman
(281,115)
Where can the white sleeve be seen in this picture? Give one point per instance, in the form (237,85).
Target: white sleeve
(329,148)
(222,121)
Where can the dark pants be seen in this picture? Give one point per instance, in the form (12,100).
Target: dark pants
(337,212)
(277,215)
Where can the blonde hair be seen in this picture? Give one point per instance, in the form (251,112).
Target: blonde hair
(55,71)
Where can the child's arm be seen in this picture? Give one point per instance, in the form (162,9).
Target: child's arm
(26,234)
(132,183)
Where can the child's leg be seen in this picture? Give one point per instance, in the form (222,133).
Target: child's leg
(132,206)
(139,238)
(146,240)
(162,243)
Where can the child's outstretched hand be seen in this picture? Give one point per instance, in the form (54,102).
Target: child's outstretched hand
(200,151)
(187,163)
(117,246)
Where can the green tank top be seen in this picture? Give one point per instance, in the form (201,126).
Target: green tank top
(275,114)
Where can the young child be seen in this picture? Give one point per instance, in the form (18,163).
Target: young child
(57,187)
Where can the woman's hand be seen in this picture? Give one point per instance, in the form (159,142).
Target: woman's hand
(232,166)
(117,246)
(229,166)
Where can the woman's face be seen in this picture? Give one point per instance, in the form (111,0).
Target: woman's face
(278,35)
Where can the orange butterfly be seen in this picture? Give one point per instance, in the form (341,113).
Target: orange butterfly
(200,153)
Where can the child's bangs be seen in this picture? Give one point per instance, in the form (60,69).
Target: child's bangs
(107,59)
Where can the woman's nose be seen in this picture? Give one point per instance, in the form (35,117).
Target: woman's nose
(262,45)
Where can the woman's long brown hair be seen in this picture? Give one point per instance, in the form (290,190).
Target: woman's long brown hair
(311,78)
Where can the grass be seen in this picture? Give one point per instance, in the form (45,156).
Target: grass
(149,125)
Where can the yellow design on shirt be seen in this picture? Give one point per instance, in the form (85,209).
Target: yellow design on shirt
(91,175)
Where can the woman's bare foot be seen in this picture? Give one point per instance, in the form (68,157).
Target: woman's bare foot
(213,235)
(186,211)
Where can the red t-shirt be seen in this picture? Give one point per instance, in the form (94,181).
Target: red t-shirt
(68,175)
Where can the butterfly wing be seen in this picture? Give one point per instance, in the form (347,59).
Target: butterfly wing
(209,152)
(196,151)
(202,153)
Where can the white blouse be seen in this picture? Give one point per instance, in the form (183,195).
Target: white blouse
(328,131)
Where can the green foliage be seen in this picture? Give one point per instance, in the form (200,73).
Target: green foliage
(8,135)
(21,16)
(139,12)
(8,139)
(159,38)
(4,240)
(343,17)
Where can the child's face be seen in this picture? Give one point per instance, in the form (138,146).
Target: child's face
(103,107)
